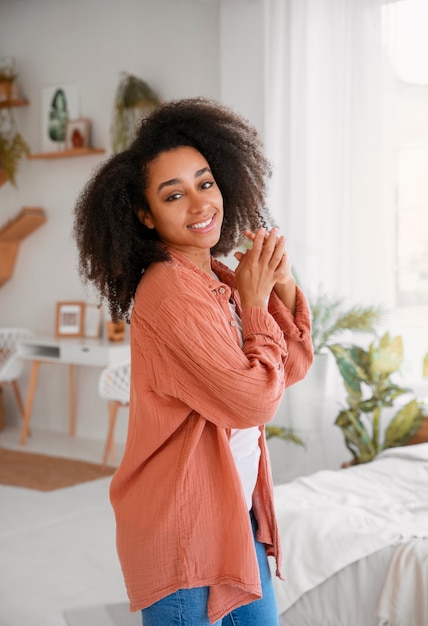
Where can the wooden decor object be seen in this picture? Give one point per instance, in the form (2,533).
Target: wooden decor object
(11,235)
(115,330)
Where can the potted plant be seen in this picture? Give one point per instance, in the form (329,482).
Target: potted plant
(13,148)
(367,378)
(330,319)
(8,76)
(286,434)
(133,101)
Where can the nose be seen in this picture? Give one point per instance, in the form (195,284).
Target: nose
(198,203)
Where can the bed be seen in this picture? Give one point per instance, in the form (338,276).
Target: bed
(355,544)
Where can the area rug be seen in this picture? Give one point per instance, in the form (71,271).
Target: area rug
(46,473)
(104,615)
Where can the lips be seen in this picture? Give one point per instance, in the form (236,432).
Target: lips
(202,225)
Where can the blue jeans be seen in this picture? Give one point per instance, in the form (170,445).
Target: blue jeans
(188,607)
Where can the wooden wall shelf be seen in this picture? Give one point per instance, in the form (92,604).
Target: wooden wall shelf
(7,104)
(11,235)
(63,154)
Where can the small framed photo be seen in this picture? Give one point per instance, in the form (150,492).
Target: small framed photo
(93,316)
(69,319)
(59,103)
(77,133)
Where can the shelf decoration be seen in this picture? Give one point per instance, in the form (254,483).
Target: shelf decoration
(77,133)
(64,133)
(93,321)
(134,100)
(60,103)
(11,235)
(69,319)
(13,147)
(8,76)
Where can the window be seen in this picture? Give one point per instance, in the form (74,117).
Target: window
(407,44)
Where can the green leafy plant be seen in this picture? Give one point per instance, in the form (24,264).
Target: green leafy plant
(133,100)
(13,147)
(367,378)
(330,318)
(286,434)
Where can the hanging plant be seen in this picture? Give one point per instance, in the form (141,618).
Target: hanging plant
(134,100)
(13,148)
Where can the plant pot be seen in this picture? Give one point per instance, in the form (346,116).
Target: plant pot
(3,176)
(346,464)
(5,90)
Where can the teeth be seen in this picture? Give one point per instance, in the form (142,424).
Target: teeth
(202,224)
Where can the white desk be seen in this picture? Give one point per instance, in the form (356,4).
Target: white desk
(71,352)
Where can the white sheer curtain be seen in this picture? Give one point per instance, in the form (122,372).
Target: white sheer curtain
(326,133)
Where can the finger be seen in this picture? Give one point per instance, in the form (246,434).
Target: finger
(249,234)
(258,242)
(270,244)
(278,255)
(282,263)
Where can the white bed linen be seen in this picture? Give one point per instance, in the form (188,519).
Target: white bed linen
(348,598)
(404,599)
(334,518)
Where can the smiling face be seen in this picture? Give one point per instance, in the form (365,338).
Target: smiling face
(186,206)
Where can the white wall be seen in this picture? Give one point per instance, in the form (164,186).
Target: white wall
(181,48)
(242,56)
(204,47)
(87,43)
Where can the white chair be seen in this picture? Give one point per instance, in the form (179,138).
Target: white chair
(11,366)
(113,386)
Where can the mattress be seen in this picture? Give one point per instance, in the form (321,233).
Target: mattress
(340,531)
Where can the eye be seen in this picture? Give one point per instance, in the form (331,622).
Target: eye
(207,184)
(174,196)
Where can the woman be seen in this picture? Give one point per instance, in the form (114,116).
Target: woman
(211,353)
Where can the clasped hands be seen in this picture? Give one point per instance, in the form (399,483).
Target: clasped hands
(264,267)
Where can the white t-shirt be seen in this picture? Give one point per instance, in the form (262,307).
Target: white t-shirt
(244,443)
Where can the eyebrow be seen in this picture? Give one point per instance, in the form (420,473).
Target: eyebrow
(176,181)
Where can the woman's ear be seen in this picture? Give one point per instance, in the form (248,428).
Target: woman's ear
(145,218)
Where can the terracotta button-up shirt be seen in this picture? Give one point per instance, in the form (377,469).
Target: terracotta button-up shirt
(182,519)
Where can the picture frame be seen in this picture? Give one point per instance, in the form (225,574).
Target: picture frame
(60,103)
(77,133)
(93,321)
(69,320)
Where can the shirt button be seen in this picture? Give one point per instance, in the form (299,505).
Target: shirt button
(214,292)
(232,323)
(221,290)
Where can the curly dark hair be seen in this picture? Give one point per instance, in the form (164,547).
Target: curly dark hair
(114,246)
